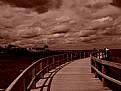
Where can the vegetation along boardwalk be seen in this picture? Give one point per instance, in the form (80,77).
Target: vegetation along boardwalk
(77,76)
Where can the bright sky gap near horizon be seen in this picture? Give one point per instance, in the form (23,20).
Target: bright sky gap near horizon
(76,24)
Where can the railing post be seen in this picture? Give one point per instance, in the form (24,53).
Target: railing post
(67,57)
(54,65)
(75,54)
(33,75)
(71,56)
(102,55)
(96,54)
(58,59)
(105,54)
(99,55)
(23,85)
(64,58)
(41,67)
(103,79)
(84,55)
(92,70)
(79,55)
(96,66)
(88,54)
(47,70)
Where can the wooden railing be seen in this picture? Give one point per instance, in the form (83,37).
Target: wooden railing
(99,68)
(29,77)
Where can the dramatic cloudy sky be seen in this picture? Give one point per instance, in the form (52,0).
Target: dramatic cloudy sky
(76,25)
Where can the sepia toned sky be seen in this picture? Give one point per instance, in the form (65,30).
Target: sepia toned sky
(77,24)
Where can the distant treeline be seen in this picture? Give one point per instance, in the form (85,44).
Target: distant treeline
(117,3)
(39,5)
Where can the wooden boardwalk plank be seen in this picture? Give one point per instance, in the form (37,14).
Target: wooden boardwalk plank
(77,76)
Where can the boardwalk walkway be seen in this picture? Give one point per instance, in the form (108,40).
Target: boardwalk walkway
(77,76)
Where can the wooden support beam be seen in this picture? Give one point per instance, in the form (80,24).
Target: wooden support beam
(103,79)
(41,67)
(23,85)
(96,66)
(33,75)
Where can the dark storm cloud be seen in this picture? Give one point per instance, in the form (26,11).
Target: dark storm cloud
(39,6)
(26,3)
(72,24)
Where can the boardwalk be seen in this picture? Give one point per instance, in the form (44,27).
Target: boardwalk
(76,76)
(66,72)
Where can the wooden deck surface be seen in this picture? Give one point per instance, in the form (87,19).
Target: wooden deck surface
(77,76)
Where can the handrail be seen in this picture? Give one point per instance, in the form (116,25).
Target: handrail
(108,63)
(94,68)
(107,77)
(28,78)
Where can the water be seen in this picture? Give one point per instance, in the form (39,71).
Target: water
(9,71)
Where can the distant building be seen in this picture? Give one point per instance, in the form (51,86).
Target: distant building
(10,46)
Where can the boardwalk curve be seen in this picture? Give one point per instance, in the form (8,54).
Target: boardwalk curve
(77,76)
